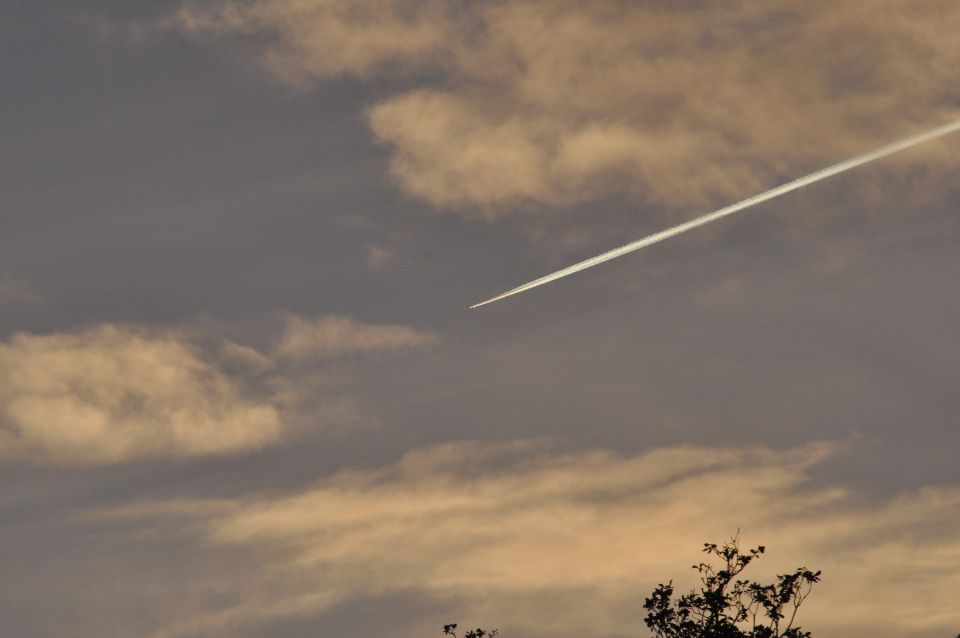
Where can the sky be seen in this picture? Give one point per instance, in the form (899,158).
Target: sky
(241,393)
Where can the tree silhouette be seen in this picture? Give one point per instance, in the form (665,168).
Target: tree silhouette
(450,630)
(730,607)
(725,606)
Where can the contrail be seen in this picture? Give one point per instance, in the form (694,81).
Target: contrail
(783,189)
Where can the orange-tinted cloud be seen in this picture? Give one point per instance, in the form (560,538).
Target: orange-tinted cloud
(511,535)
(321,38)
(116,393)
(329,337)
(677,104)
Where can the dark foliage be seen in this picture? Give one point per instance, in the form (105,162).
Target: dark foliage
(727,606)
(450,630)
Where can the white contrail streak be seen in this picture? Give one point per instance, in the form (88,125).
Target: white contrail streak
(783,189)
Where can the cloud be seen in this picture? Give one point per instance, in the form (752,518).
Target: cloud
(116,393)
(15,293)
(329,337)
(322,38)
(378,257)
(513,535)
(675,104)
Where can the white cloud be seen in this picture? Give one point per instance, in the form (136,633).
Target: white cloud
(507,534)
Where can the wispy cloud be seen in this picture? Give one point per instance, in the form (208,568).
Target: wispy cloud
(116,393)
(678,104)
(15,293)
(506,533)
(329,337)
(378,257)
(354,37)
